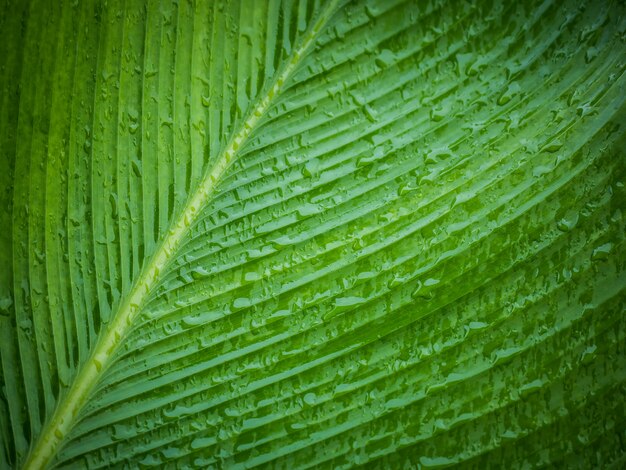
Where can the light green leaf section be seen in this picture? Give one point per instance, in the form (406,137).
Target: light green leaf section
(312,234)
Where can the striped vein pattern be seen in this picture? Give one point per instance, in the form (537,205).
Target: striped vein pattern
(313,234)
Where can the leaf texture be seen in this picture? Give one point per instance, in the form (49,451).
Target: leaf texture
(312,234)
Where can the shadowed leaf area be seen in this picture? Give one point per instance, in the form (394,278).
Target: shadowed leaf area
(297,234)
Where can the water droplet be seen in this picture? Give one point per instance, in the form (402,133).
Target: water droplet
(308,209)
(241,302)
(199,273)
(568,222)
(136,166)
(588,354)
(601,253)
(201,442)
(310,167)
(511,91)
(385,58)
(310,398)
(553,146)
(438,113)
(477,325)
(591,54)
(251,276)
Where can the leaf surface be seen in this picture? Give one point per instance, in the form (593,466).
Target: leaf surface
(305,234)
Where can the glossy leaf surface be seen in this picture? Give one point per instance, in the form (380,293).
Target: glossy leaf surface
(312,234)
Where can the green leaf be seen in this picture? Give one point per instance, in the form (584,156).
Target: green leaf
(297,234)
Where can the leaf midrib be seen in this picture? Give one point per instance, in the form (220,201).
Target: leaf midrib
(90,372)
